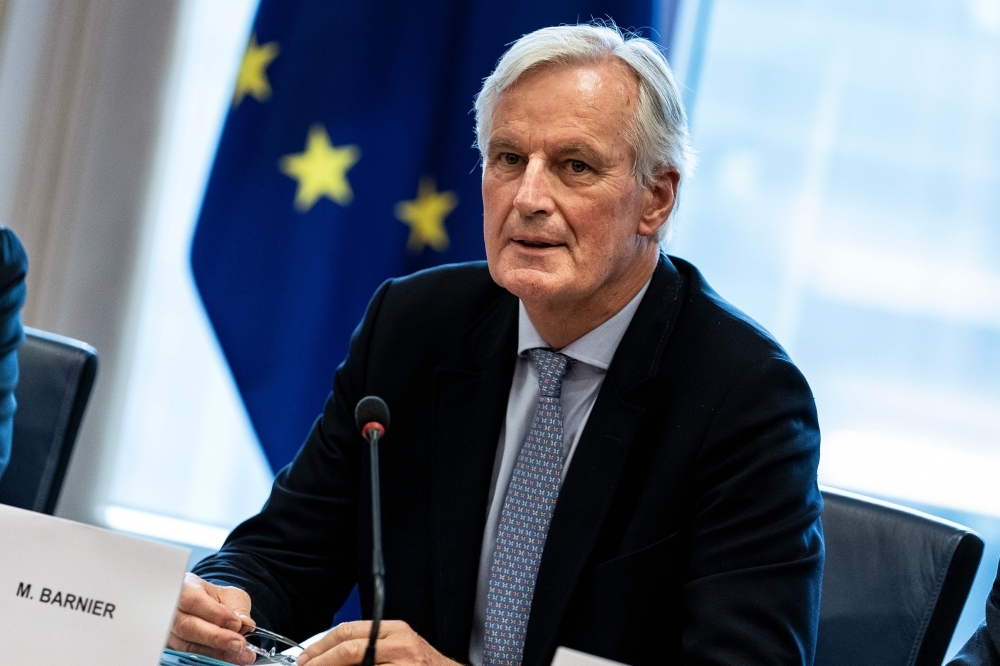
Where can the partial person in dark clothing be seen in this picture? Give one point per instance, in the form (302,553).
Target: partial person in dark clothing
(13,269)
(983,649)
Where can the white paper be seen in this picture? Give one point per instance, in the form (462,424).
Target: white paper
(294,651)
(124,591)
(567,657)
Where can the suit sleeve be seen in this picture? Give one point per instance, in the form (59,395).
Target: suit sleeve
(983,648)
(13,270)
(297,558)
(753,585)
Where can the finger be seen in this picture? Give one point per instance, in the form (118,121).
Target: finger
(344,631)
(199,631)
(239,601)
(393,650)
(244,657)
(350,640)
(195,600)
(249,624)
(347,653)
(401,648)
(391,627)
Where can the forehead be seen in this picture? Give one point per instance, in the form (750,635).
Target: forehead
(573,102)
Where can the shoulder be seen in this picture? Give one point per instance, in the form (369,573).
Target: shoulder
(434,307)
(447,281)
(13,270)
(457,292)
(725,335)
(13,259)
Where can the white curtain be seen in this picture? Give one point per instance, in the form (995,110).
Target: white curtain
(80,90)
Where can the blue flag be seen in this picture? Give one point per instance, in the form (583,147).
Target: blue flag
(347,159)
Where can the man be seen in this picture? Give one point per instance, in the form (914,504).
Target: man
(588,446)
(983,648)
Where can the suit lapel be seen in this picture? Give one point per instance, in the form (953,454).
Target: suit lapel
(471,392)
(599,459)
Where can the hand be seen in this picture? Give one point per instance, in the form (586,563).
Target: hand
(210,620)
(397,644)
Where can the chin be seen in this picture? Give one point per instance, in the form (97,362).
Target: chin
(529,284)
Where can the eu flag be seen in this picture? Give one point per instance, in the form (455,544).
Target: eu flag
(346,159)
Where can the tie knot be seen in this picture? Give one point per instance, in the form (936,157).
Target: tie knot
(551,366)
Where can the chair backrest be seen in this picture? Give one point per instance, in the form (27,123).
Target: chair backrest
(894,585)
(56,375)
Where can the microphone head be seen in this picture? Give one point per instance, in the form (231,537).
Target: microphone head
(371,409)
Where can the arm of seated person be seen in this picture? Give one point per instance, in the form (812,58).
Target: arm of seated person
(210,620)
(13,270)
(756,564)
(983,648)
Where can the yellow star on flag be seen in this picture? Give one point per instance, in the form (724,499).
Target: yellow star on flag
(252,79)
(425,216)
(321,170)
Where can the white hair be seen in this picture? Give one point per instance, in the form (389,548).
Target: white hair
(658,133)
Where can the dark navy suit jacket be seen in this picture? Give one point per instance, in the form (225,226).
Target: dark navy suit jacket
(983,649)
(686,531)
(13,269)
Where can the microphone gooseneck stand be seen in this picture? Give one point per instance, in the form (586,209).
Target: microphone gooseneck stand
(372,418)
(378,565)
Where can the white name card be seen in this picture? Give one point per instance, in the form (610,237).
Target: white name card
(76,594)
(566,657)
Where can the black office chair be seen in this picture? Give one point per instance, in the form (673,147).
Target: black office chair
(56,375)
(895,583)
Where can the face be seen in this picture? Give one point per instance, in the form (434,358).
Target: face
(566,222)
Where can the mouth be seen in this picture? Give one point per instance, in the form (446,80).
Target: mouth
(535,244)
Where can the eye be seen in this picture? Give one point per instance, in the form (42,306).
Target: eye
(577,166)
(510,158)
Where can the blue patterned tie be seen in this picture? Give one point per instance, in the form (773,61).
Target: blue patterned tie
(524,523)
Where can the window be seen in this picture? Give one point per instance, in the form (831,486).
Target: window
(848,198)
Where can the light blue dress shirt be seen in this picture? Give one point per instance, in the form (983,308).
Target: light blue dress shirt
(590,356)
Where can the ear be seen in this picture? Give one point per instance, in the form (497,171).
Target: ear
(659,200)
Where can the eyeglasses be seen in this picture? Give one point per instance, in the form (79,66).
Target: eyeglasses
(272,656)
(264,656)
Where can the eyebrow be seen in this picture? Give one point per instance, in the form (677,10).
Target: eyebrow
(502,144)
(583,150)
(586,152)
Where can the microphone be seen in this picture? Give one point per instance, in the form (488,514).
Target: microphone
(372,418)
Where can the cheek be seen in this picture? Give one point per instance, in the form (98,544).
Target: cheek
(605,225)
(490,193)
(594,222)
(629,205)
(498,201)
(494,213)
(624,212)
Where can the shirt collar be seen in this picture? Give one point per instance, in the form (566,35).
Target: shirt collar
(596,347)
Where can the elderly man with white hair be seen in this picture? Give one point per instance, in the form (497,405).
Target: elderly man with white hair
(588,448)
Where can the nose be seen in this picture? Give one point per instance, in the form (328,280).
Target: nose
(534,192)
